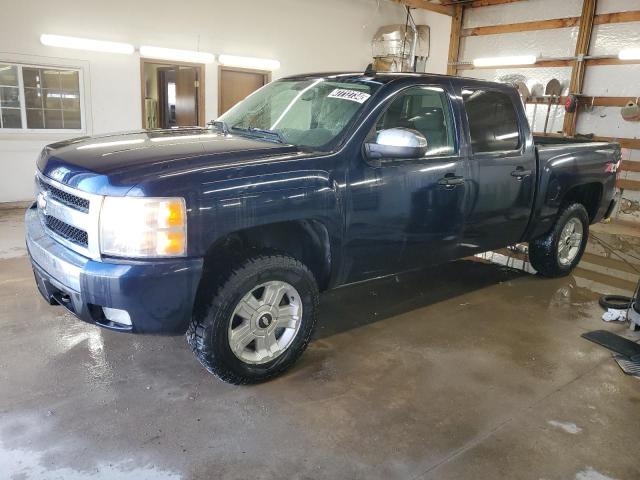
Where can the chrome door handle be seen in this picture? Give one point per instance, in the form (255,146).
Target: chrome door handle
(520,173)
(451,181)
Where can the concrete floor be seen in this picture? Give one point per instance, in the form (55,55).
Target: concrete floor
(467,371)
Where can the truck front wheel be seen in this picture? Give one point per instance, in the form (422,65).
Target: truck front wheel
(257,322)
(558,252)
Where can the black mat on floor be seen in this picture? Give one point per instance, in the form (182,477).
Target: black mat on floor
(615,343)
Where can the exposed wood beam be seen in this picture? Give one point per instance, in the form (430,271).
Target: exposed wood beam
(606,101)
(488,3)
(586,100)
(579,65)
(538,64)
(521,27)
(621,17)
(454,39)
(554,63)
(610,61)
(628,184)
(630,166)
(426,5)
(631,143)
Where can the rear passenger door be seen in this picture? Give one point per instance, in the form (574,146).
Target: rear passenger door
(502,169)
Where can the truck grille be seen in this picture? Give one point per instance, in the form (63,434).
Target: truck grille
(66,231)
(68,199)
(69,215)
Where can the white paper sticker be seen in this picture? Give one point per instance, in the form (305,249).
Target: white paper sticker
(347,94)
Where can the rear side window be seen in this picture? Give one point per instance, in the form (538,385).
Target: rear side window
(492,121)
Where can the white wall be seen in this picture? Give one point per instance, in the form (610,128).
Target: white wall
(304,35)
(440,26)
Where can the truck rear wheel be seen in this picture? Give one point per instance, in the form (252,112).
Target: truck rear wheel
(257,322)
(558,252)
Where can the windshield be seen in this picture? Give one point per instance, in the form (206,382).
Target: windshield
(307,113)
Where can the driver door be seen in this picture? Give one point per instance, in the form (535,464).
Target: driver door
(404,213)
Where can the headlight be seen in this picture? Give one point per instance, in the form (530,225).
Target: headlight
(143,227)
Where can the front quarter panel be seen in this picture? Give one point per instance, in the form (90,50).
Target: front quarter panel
(251,200)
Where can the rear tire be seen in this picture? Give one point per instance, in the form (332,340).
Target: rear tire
(257,321)
(557,253)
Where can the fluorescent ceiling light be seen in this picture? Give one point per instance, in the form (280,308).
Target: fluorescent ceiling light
(86,44)
(505,61)
(249,62)
(147,51)
(629,54)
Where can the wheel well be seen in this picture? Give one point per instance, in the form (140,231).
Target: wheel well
(304,240)
(588,195)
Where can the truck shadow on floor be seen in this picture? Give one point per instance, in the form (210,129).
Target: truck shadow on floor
(361,304)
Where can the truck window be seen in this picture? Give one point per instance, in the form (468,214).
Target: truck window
(426,110)
(308,113)
(493,122)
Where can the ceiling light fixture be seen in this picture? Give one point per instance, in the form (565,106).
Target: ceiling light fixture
(505,61)
(629,54)
(86,44)
(249,62)
(161,53)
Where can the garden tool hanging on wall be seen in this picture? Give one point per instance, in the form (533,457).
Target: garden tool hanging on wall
(552,92)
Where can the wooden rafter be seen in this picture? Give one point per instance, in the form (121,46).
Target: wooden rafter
(589,101)
(454,39)
(620,17)
(630,166)
(555,63)
(489,3)
(427,5)
(579,65)
(521,27)
(538,64)
(631,143)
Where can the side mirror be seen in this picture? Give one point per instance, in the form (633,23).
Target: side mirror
(396,143)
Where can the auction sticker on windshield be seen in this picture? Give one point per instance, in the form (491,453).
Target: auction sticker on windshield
(352,95)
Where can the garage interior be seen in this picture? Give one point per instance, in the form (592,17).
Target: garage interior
(469,370)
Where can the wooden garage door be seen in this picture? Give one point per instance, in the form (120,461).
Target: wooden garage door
(236,83)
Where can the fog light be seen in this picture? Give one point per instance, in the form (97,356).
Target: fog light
(116,315)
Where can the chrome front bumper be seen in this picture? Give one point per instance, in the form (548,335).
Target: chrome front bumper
(158,295)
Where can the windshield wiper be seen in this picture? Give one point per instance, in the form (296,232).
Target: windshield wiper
(263,133)
(223,126)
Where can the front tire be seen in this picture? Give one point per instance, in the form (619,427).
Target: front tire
(256,322)
(557,253)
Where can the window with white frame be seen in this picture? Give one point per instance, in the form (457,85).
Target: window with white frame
(40,98)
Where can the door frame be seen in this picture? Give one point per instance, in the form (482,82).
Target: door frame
(265,73)
(201,84)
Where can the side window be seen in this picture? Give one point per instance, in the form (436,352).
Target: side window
(493,122)
(426,110)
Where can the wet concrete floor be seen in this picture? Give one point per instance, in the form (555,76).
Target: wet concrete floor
(467,371)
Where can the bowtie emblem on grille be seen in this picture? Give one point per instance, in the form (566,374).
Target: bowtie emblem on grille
(42,202)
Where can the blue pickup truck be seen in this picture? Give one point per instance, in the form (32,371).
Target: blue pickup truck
(314,181)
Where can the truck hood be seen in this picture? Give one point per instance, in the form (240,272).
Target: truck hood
(113,164)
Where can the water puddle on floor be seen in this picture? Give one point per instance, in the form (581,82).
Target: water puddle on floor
(610,264)
(32,465)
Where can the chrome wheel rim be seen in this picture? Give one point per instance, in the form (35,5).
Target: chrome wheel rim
(570,241)
(265,322)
